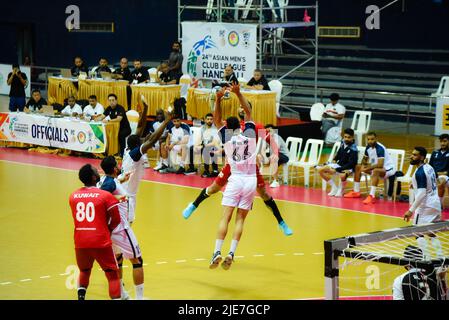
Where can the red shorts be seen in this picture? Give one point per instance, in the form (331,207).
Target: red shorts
(105,257)
(225,173)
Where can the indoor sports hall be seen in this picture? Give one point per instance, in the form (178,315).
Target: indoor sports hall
(355,105)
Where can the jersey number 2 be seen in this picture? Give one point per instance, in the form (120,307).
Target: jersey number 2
(84,211)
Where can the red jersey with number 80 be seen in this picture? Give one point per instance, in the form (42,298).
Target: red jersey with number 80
(95,214)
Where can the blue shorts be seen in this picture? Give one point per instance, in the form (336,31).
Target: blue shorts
(16,103)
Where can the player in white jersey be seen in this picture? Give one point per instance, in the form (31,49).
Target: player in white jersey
(240,149)
(426,205)
(133,160)
(377,163)
(124,241)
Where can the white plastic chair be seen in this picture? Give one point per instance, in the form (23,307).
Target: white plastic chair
(243,4)
(133,118)
(269,42)
(334,151)
(316,111)
(152,74)
(360,124)
(276,86)
(185,81)
(294,145)
(195,140)
(310,158)
(443,88)
(242,81)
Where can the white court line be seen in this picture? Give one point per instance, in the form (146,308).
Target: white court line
(239,257)
(5,283)
(200,188)
(145,264)
(200,259)
(279,254)
(44,277)
(318,253)
(65,274)
(298,254)
(181,261)
(161,262)
(25,280)
(124,266)
(258,255)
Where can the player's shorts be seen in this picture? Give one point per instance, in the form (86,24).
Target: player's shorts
(125,242)
(131,208)
(240,192)
(425,216)
(225,173)
(177,148)
(443,180)
(105,257)
(389,173)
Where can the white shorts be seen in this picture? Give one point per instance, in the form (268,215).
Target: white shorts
(425,216)
(240,192)
(177,148)
(125,242)
(389,173)
(443,179)
(131,208)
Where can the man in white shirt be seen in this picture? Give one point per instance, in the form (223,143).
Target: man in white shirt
(93,109)
(72,109)
(333,114)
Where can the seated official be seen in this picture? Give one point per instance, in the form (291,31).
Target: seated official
(103,67)
(94,109)
(72,109)
(333,114)
(139,74)
(343,164)
(78,67)
(278,153)
(258,81)
(116,113)
(35,103)
(123,73)
(167,76)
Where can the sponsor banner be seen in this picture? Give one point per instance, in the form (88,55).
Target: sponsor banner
(62,133)
(209,47)
(5,69)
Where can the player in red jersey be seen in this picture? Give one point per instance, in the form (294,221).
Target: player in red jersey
(95,215)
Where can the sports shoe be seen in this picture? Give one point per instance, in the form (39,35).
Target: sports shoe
(181,170)
(206,174)
(190,171)
(274,184)
(188,211)
(333,192)
(228,261)
(125,295)
(161,167)
(338,194)
(214,174)
(352,194)
(287,231)
(369,200)
(81,294)
(216,259)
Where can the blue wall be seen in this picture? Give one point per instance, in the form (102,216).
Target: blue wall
(146,28)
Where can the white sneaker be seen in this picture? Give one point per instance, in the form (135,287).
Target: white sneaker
(338,194)
(158,167)
(333,192)
(125,295)
(274,184)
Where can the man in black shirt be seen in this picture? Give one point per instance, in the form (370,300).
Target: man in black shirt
(258,81)
(18,81)
(103,67)
(123,73)
(167,76)
(36,102)
(139,74)
(175,59)
(78,67)
(116,113)
(229,78)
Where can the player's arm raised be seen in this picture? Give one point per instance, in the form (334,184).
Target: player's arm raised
(151,139)
(243,102)
(217,113)
(143,118)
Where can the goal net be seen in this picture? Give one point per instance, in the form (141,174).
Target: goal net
(411,260)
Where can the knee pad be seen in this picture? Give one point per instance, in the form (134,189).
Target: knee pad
(138,265)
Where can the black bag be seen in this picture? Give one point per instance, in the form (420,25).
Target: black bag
(180,108)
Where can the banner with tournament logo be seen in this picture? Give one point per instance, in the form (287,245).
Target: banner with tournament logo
(45,131)
(208,47)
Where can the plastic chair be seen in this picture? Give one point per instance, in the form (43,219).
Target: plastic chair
(443,88)
(152,74)
(133,118)
(185,81)
(276,86)
(294,148)
(360,124)
(316,111)
(310,158)
(269,42)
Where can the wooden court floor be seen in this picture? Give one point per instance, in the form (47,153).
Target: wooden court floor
(38,262)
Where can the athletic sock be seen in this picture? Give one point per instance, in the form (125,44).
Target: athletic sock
(139,292)
(332,183)
(356,186)
(203,196)
(165,162)
(274,208)
(341,187)
(372,191)
(218,245)
(234,244)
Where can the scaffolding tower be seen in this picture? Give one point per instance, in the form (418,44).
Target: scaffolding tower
(267,31)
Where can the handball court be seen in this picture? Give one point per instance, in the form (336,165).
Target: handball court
(38,260)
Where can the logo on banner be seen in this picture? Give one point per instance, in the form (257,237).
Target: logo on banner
(197,50)
(446,117)
(81,137)
(233,38)
(12,121)
(246,37)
